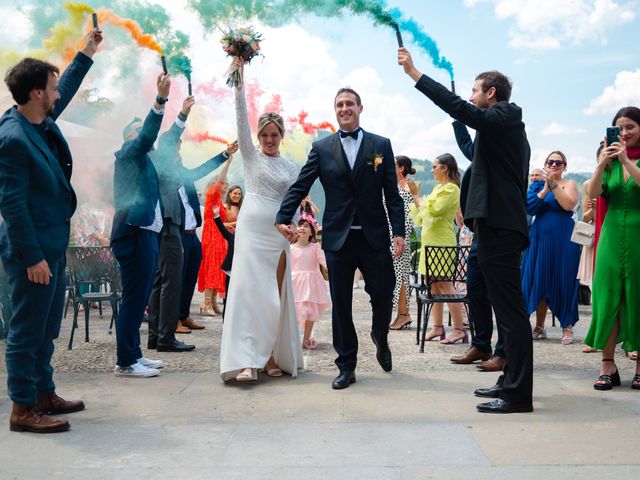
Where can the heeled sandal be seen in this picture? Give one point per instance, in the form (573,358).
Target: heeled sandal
(608,381)
(404,325)
(464,337)
(635,382)
(430,336)
(247,375)
(567,336)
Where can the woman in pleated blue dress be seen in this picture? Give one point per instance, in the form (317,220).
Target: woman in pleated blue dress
(550,264)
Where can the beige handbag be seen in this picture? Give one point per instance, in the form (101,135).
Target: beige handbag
(583,233)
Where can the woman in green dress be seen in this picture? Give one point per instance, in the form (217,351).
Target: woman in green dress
(616,282)
(436,213)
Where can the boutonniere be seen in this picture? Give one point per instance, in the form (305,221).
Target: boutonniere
(375,161)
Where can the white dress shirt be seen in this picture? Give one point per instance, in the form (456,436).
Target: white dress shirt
(351,147)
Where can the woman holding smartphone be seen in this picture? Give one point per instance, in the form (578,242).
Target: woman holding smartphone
(550,264)
(616,281)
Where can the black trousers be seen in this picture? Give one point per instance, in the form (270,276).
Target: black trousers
(499,252)
(377,269)
(164,302)
(191,259)
(480,306)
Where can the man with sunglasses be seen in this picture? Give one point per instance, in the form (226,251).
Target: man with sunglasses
(496,211)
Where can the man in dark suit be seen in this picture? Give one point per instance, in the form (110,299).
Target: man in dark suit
(37,202)
(479,303)
(134,237)
(496,209)
(179,217)
(355,168)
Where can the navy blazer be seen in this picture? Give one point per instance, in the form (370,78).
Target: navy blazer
(172,173)
(135,183)
(36,197)
(501,152)
(350,193)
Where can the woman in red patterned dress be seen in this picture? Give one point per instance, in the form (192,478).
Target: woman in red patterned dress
(214,247)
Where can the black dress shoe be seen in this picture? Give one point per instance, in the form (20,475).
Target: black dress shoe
(491,392)
(502,406)
(175,346)
(152,345)
(383,355)
(346,378)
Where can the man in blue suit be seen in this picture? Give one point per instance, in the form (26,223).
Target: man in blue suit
(134,237)
(355,168)
(179,218)
(37,202)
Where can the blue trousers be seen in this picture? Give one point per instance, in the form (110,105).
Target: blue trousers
(137,255)
(34,325)
(191,259)
(480,306)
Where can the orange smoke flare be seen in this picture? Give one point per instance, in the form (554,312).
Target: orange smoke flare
(144,40)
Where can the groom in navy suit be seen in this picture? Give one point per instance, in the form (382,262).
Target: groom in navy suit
(356,169)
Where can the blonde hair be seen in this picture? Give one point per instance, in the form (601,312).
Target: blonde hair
(271,117)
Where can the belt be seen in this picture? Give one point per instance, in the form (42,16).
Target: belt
(190,232)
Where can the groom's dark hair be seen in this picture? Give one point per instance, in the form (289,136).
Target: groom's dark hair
(348,90)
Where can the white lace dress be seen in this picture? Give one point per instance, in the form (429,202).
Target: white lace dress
(259,322)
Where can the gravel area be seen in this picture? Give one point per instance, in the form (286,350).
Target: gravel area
(98,355)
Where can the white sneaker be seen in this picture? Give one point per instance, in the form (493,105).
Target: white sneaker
(147,362)
(135,370)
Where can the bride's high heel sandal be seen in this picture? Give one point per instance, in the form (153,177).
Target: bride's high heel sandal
(247,375)
(608,381)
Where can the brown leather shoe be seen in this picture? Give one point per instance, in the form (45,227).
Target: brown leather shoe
(52,404)
(181,328)
(30,419)
(494,364)
(471,355)
(189,323)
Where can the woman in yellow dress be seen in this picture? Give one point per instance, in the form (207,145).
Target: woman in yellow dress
(436,213)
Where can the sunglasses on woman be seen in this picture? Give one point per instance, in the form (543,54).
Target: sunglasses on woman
(558,163)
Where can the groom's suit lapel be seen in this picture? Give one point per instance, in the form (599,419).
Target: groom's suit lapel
(341,158)
(365,148)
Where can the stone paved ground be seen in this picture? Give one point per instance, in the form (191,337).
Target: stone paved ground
(417,422)
(98,355)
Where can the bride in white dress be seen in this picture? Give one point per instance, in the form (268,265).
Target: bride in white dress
(260,328)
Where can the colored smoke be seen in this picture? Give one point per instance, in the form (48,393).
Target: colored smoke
(310,128)
(276,13)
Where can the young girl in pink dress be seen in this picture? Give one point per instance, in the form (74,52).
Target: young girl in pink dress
(309,288)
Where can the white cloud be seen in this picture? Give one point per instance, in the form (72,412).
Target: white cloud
(555,128)
(551,24)
(624,91)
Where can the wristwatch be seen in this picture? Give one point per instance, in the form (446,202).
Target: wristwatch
(160,100)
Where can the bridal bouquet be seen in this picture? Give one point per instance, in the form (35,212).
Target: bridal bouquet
(243,43)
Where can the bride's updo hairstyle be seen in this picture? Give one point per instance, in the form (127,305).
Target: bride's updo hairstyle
(271,117)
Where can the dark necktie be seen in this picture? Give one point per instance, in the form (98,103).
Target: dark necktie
(353,134)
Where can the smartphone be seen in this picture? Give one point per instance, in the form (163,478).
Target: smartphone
(612,135)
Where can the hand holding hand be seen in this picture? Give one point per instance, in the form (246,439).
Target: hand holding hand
(186,105)
(39,273)
(290,232)
(91,42)
(164,85)
(398,246)
(232,148)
